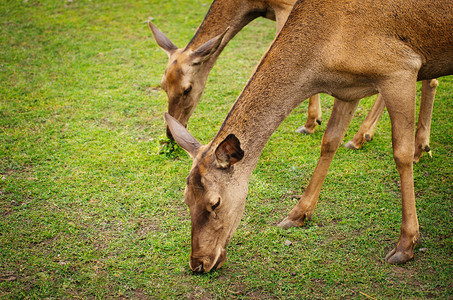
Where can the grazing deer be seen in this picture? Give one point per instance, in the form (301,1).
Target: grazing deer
(348,49)
(187,70)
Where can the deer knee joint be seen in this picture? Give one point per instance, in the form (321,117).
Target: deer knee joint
(403,161)
(328,146)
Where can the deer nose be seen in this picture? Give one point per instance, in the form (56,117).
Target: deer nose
(207,264)
(196,265)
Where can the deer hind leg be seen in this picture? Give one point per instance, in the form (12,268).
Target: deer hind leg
(313,116)
(400,102)
(366,131)
(424,120)
(339,121)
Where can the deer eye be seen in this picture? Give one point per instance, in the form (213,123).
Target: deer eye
(216,205)
(187,91)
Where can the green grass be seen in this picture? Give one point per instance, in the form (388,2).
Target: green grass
(89,209)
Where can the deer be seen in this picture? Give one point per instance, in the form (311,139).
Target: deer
(347,49)
(188,68)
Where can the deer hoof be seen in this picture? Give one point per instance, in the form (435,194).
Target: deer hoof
(419,152)
(395,257)
(286,224)
(351,145)
(303,130)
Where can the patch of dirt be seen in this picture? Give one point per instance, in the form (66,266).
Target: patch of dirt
(333,222)
(6,207)
(152,89)
(260,295)
(17,198)
(24,171)
(403,273)
(8,277)
(236,287)
(146,225)
(199,293)
(138,294)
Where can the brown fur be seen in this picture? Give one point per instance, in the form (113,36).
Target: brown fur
(186,70)
(334,47)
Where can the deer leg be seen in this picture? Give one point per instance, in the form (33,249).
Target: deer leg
(339,121)
(424,120)
(313,116)
(401,108)
(366,131)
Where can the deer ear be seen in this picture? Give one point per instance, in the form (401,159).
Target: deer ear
(182,136)
(162,40)
(207,49)
(229,152)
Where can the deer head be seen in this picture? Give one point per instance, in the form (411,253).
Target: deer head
(215,194)
(182,81)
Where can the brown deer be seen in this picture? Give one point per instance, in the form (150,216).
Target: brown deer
(348,49)
(187,70)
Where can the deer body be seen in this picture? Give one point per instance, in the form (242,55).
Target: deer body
(188,68)
(348,49)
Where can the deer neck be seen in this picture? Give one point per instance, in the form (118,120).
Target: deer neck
(268,98)
(280,82)
(222,14)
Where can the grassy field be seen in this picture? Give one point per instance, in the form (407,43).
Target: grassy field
(91,210)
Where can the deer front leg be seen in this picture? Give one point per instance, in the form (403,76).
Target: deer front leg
(340,119)
(366,131)
(424,119)
(401,108)
(313,116)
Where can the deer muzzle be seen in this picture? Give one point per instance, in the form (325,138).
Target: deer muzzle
(207,263)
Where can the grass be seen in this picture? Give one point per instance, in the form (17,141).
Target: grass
(89,209)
